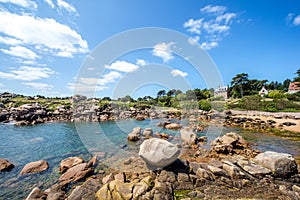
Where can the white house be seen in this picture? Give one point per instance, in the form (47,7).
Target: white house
(294,87)
(263,92)
(222,91)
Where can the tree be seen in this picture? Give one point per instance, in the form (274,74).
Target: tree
(106,99)
(161,93)
(127,98)
(238,84)
(286,84)
(297,78)
(171,92)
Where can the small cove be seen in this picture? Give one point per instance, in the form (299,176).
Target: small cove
(56,141)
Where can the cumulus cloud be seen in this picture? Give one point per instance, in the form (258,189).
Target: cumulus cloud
(50,3)
(177,72)
(296,21)
(213,26)
(85,84)
(9,41)
(44,34)
(122,66)
(193,26)
(208,45)
(66,6)
(22,3)
(140,62)
(39,87)
(213,9)
(21,52)
(194,40)
(26,73)
(163,50)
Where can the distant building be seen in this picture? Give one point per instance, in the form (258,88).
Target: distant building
(222,91)
(294,87)
(263,92)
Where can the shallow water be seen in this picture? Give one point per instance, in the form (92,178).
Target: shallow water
(56,141)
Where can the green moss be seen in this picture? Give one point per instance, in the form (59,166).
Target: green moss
(180,194)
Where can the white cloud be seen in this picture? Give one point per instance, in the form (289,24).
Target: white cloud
(9,41)
(21,52)
(213,26)
(26,73)
(22,3)
(85,84)
(50,3)
(66,6)
(208,45)
(163,50)
(213,9)
(296,21)
(226,17)
(140,62)
(177,72)
(122,66)
(193,26)
(43,34)
(194,40)
(40,87)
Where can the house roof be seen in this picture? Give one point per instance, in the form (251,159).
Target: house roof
(294,86)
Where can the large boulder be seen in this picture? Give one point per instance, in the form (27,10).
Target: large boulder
(281,164)
(188,136)
(76,173)
(158,153)
(173,126)
(68,163)
(135,134)
(35,167)
(5,165)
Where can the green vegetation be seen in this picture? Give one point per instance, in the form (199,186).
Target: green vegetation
(244,93)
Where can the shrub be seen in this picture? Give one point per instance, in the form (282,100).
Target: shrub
(204,105)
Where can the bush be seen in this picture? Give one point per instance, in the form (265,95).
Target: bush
(204,105)
(276,94)
(250,103)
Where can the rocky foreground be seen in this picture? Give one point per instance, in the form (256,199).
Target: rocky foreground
(231,169)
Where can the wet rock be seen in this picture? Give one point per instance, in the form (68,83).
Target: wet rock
(76,173)
(35,167)
(282,165)
(36,194)
(140,118)
(85,191)
(158,153)
(163,124)
(289,124)
(5,165)
(188,136)
(148,132)
(173,126)
(68,163)
(135,134)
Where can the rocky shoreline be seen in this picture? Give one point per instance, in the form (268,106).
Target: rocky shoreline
(30,114)
(230,169)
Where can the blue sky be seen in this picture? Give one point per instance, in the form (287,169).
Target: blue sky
(44,43)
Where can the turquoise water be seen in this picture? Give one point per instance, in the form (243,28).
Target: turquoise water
(56,141)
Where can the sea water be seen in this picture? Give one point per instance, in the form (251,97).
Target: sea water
(54,142)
